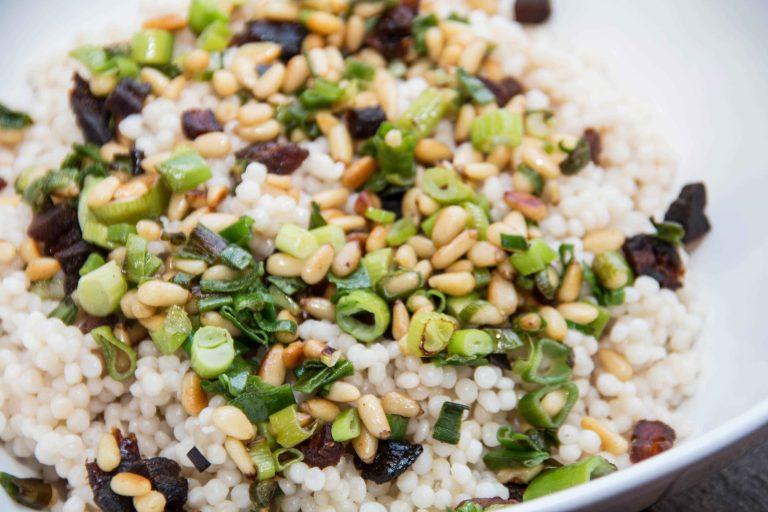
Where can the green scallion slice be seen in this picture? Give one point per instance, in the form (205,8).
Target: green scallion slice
(379,216)
(397,426)
(346,426)
(429,333)
(99,292)
(212,351)
(363,314)
(152,47)
(175,330)
(286,428)
(471,343)
(448,425)
(119,357)
(184,170)
(296,241)
(262,458)
(500,127)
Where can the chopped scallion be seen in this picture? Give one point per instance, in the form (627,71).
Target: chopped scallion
(397,426)
(346,426)
(471,343)
(296,241)
(66,311)
(175,330)
(363,314)
(429,333)
(513,242)
(236,257)
(448,425)
(184,170)
(500,127)
(262,458)
(401,231)
(537,257)
(212,351)
(286,428)
(153,47)
(204,12)
(119,357)
(99,292)
(379,216)
(94,261)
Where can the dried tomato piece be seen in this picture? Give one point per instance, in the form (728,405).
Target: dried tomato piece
(391,35)
(90,112)
(51,225)
(504,89)
(649,438)
(364,122)
(595,144)
(516,490)
(688,211)
(391,460)
(71,259)
(532,11)
(321,450)
(278,157)
(366,199)
(288,35)
(127,98)
(196,122)
(3,184)
(651,256)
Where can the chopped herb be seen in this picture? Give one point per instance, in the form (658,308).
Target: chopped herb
(198,459)
(473,88)
(448,425)
(12,119)
(578,157)
(322,94)
(513,242)
(314,375)
(669,231)
(419,28)
(316,220)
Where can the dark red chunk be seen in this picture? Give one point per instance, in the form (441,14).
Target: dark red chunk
(504,90)
(391,460)
(650,438)
(391,35)
(3,184)
(279,157)
(363,122)
(532,11)
(91,113)
(86,323)
(688,211)
(127,98)
(516,490)
(71,259)
(50,225)
(320,450)
(595,144)
(652,256)
(288,35)
(197,122)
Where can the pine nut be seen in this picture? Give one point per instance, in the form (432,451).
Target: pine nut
(397,403)
(130,484)
(153,501)
(149,230)
(272,369)
(449,223)
(224,83)
(107,453)
(177,207)
(193,398)
(214,319)
(103,192)
(132,189)
(473,55)
(316,349)
(279,11)
(454,249)
(340,143)
(485,254)
(431,151)
(358,172)
(348,222)
(502,294)
(529,205)
(7,252)
(365,445)
(162,294)
(424,267)
(422,246)
(615,363)
(212,145)
(570,288)
(347,259)
(612,442)
(450,55)
(296,73)
(194,267)
(406,256)
(263,132)
(460,266)
(196,60)
(240,456)
(220,273)
(553,402)
(400,320)
(293,355)
(28,250)
(269,82)
(319,308)
(551,192)
(433,38)
(320,409)
(539,161)
(284,265)
(153,323)
(174,88)
(602,240)
(332,198)
(343,392)
(455,284)
(355,33)
(578,312)
(385,88)
(10,137)
(317,265)
(481,170)
(41,269)
(500,157)
(372,415)
(233,422)
(556,328)
(464,122)
(156,80)
(376,239)
(324,23)
(427,206)
(117,255)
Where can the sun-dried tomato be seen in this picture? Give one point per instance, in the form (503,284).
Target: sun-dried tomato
(391,35)
(391,460)
(127,98)
(321,450)
(278,157)
(651,256)
(595,144)
(288,35)
(688,211)
(364,122)
(532,11)
(649,438)
(196,122)
(504,89)
(91,113)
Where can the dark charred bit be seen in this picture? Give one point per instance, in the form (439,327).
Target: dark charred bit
(363,122)
(649,438)
(103,496)
(516,490)
(532,11)
(71,259)
(391,35)
(127,98)
(504,89)
(392,199)
(90,112)
(595,144)
(651,256)
(129,447)
(688,211)
(289,35)
(487,502)
(3,184)
(321,450)
(391,461)
(50,225)
(86,323)
(197,122)
(500,361)
(198,459)
(278,157)
(137,156)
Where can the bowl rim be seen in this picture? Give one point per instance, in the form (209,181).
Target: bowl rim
(685,455)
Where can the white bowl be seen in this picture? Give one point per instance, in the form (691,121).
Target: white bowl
(703,68)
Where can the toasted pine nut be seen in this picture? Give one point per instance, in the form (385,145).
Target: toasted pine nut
(539,161)
(107,453)
(224,83)
(454,249)
(376,239)
(455,284)
(103,192)
(340,143)
(343,392)
(174,88)
(318,307)
(556,328)
(166,22)
(149,230)
(347,259)
(366,445)
(293,355)
(193,398)
(153,501)
(178,206)
(485,254)
(434,41)
(502,294)
(481,170)
(233,422)
(284,265)
(130,484)
(358,172)
(7,252)
(449,223)
(324,23)
(28,250)
(578,312)
(355,33)
(422,246)
(431,151)
(570,288)
(348,222)
(495,230)
(320,408)
(406,256)
(464,122)
(212,145)
(612,442)
(296,73)
(400,320)
(331,198)
(397,403)
(372,415)
(279,11)
(196,60)
(601,240)
(214,318)
(262,132)
(41,269)
(472,55)
(529,205)
(240,456)
(220,273)
(189,266)
(317,265)
(162,294)
(615,363)
(427,205)
(424,267)
(117,255)
(385,88)
(269,82)
(156,80)
(500,156)
(153,323)
(460,266)
(272,369)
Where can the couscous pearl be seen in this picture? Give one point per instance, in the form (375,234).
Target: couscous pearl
(423,496)
(485,377)
(314,479)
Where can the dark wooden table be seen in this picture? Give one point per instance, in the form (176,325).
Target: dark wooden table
(741,487)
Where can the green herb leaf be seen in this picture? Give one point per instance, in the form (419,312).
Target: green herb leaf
(12,119)
(314,375)
(448,425)
(577,158)
(473,88)
(316,220)
(513,242)
(669,231)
